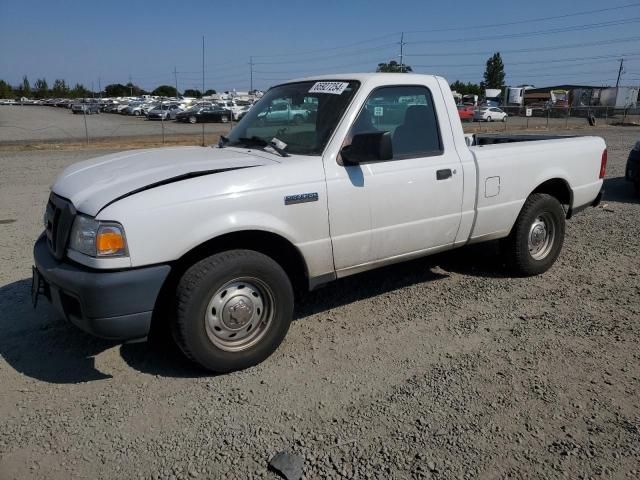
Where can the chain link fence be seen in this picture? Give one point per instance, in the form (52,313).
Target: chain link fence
(553,118)
(47,124)
(44,124)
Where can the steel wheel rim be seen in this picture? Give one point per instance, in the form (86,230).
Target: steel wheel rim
(541,238)
(239,314)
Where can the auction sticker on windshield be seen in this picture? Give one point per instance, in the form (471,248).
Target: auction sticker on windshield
(335,88)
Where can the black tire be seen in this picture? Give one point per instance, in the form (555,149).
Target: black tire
(201,285)
(489,119)
(539,207)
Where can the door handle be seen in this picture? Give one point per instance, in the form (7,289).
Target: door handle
(444,174)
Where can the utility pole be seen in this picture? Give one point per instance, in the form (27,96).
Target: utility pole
(93,93)
(619,72)
(402,52)
(251,74)
(203,85)
(99,88)
(175,76)
(130,86)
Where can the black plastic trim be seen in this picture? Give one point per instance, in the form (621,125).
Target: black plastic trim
(113,304)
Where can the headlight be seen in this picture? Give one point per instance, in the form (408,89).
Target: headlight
(97,239)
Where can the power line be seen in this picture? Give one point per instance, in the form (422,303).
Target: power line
(552,31)
(484,26)
(320,50)
(525,50)
(529,20)
(340,55)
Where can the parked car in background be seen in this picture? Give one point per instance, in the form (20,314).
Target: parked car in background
(283,113)
(632,172)
(86,108)
(163,112)
(490,114)
(235,108)
(465,112)
(212,113)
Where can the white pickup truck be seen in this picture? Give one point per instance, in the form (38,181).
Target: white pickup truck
(216,240)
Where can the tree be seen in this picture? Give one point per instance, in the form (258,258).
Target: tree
(60,88)
(190,92)
(210,92)
(5,90)
(79,91)
(393,67)
(494,73)
(119,90)
(41,88)
(26,87)
(466,88)
(165,91)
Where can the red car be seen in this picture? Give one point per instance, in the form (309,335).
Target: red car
(465,112)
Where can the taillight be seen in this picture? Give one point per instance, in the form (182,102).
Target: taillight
(603,163)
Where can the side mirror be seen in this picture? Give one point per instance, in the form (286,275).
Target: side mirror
(368,147)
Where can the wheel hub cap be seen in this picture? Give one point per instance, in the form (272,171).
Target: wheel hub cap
(538,234)
(541,236)
(238,314)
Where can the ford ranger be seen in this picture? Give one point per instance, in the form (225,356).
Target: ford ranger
(216,240)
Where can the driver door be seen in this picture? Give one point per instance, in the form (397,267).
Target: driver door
(383,211)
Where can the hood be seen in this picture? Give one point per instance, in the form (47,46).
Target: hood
(93,184)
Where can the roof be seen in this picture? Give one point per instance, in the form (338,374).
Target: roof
(363,77)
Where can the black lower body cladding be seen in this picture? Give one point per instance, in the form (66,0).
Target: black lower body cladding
(116,305)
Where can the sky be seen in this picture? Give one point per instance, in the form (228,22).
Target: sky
(101,42)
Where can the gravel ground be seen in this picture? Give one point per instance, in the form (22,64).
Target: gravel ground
(439,368)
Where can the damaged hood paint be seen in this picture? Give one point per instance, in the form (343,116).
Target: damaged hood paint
(95,183)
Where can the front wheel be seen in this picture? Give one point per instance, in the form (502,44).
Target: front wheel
(224,119)
(489,119)
(192,119)
(234,310)
(504,119)
(537,236)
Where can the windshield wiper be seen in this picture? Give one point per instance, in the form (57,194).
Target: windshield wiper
(261,143)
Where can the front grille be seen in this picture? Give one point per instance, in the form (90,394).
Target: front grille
(60,214)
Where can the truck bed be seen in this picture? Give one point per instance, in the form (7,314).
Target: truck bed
(493,139)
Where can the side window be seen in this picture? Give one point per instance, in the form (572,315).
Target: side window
(407,112)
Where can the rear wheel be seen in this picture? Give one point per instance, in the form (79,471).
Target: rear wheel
(489,119)
(234,310)
(537,236)
(224,119)
(192,119)
(504,119)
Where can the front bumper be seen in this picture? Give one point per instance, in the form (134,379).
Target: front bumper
(117,305)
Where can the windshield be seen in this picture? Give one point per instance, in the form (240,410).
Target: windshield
(301,115)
